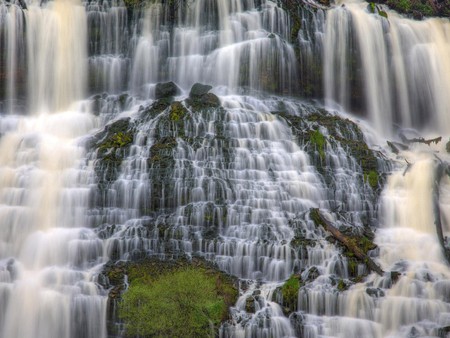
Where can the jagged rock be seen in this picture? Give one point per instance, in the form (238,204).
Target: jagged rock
(166,89)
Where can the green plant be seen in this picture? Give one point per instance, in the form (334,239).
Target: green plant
(289,291)
(185,303)
(317,138)
(372,178)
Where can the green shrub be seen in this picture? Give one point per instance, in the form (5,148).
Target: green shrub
(185,303)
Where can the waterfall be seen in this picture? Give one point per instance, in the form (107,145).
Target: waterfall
(48,258)
(111,151)
(403,63)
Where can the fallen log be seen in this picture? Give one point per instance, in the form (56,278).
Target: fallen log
(347,241)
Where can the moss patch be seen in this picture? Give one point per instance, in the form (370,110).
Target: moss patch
(372,178)
(177,111)
(289,292)
(112,146)
(176,299)
(118,140)
(319,141)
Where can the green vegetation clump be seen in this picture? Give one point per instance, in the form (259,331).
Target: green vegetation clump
(372,178)
(415,6)
(319,141)
(341,286)
(118,140)
(177,112)
(289,291)
(180,302)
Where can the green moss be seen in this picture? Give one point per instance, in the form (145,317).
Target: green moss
(341,286)
(372,178)
(352,265)
(162,152)
(413,7)
(177,111)
(175,299)
(402,5)
(319,141)
(371,7)
(383,14)
(289,291)
(117,140)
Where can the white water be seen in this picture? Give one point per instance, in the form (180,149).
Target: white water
(247,180)
(48,259)
(406,66)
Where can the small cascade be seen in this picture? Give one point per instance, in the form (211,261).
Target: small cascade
(391,68)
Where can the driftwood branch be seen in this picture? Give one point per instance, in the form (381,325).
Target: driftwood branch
(421,140)
(348,242)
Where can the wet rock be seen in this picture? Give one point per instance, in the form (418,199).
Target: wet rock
(211,100)
(312,274)
(443,331)
(198,90)
(111,146)
(250,305)
(375,292)
(166,89)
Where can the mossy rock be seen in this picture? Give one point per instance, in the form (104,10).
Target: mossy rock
(289,292)
(194,283)
(205,101)
(340,131)
(319,141)
(155,108)
(112,146)
(177,111)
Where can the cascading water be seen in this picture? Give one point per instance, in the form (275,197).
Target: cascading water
(47,256)
(129,173)
(405,66)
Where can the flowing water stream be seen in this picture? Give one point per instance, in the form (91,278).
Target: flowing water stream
(233,182)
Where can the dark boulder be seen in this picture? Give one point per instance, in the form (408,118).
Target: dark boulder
(198,90)
(166,89)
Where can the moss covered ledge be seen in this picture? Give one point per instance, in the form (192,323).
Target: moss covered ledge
(171,298)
